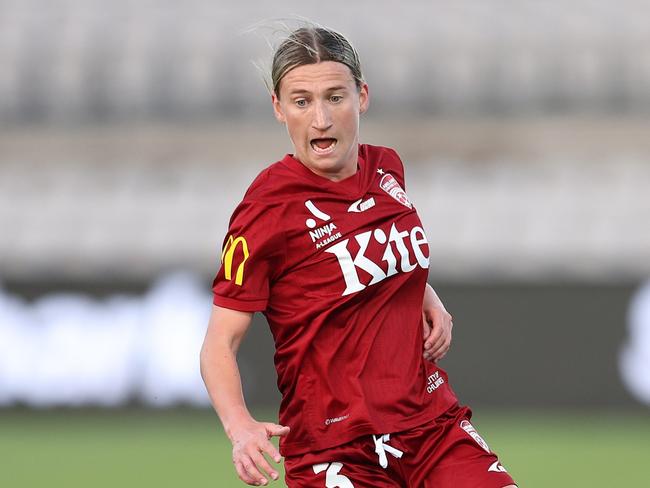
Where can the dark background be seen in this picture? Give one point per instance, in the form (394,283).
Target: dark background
(518,345)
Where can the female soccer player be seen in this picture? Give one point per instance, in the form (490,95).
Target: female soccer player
(327,244)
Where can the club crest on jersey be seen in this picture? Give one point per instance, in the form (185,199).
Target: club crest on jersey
(469,428)
(390,185)
(324,234)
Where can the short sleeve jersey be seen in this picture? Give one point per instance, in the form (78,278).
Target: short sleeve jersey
(339,271)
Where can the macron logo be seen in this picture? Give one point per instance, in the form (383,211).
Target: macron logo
(361,206)
(497,467)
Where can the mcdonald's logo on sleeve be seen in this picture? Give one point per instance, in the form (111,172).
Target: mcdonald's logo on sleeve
(228,256)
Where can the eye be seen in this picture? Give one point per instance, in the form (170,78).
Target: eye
(336,98)
(301,102)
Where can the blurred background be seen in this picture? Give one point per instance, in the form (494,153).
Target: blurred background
(130,129)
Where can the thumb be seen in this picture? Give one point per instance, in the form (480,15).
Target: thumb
(276,430)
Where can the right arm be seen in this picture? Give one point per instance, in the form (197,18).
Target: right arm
(250,438)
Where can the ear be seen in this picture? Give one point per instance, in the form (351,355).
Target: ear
(364,98)
(277,109)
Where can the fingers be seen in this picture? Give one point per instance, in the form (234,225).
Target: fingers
(242,472)
(435,336)
(440,352)
(261,462)
(251,464)
(438,341)
(273,453)
(271,450)
(439,348)
(251,445)
(426,328)
(275,429)
(248,469)
(441,335)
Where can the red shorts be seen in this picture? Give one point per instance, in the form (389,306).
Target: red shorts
(445,453)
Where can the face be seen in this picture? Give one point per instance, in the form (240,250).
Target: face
(320,105)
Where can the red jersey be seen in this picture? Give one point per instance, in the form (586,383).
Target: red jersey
(339,271)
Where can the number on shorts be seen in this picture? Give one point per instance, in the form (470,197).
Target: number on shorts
(332,477)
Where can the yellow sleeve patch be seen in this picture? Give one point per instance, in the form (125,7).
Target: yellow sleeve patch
(228,255)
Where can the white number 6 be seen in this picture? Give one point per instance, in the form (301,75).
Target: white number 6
(332,477)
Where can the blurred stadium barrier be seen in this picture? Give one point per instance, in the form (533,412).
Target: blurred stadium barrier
(70,349)
(514,346)
(116,204)
(99,60)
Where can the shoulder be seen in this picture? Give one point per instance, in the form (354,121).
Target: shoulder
(381,154)
(384,158)
(262,186)
(264,197)
(269,186)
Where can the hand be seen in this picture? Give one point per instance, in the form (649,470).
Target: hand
(437,323)
(250,441)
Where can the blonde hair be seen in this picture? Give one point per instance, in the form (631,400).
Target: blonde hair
(310,45)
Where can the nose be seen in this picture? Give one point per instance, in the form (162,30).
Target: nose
(322,119)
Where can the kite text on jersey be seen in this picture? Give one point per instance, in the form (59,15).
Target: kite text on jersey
(395,241)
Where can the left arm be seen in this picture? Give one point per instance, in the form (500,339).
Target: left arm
(437,326)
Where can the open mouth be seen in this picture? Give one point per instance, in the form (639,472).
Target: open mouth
(323,145)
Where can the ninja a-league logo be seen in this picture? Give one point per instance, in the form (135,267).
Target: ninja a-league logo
(324,234)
